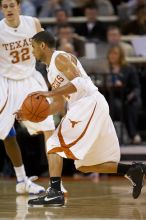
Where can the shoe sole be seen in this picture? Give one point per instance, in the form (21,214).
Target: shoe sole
(27,193)
(135,197)
(35,193)
(46,205)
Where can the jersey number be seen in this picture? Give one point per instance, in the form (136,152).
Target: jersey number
(22,56)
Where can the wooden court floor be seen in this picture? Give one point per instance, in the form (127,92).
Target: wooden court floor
(108,199)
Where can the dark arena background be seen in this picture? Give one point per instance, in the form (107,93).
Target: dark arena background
(92,30)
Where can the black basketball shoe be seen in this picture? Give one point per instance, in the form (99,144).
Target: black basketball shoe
(142,165)
(136,175)
(53,197)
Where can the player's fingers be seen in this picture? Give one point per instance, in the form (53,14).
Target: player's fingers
(18,116)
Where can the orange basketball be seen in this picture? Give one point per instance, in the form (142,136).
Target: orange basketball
(35,109)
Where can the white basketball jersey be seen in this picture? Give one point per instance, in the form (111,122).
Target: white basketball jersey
(58,79)
(16,58)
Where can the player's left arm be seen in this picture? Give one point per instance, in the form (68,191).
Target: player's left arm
(38,25)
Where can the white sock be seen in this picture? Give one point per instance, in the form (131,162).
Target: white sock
(20,173)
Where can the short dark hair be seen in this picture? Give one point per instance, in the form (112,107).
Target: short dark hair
(18,1)
(46,37)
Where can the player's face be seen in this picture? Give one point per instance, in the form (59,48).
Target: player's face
(10,9)
(37,51)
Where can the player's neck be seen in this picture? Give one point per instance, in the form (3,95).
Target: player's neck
(14,23)
(49,56)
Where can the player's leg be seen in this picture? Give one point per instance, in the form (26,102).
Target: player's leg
(24,184)
(13,150)
(54,196)
(55,193)
(134,172)
(55,163)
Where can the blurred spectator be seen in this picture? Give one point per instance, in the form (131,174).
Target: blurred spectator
(124,92)
(114,38)
(67,47)
(78,6)
(91,29)
(27,8)
(38,5)
(126,9)
(49,7)
(116,3)
(138,26)
(61,18)
(66,33)
(105,7)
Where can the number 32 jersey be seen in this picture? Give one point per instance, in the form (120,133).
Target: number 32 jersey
(16,59)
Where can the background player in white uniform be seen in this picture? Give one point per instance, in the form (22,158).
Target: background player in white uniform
(86,133)
(18,78)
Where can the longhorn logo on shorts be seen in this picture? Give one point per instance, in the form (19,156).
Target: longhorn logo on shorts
(66,147)
(74,123)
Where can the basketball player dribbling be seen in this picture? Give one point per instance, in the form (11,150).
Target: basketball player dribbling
(18,78)
(86,133)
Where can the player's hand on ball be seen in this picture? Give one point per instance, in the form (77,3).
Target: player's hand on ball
(19,115)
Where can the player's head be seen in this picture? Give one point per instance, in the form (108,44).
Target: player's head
(10,9)
(43,44)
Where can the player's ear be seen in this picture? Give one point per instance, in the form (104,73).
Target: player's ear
(43,45)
